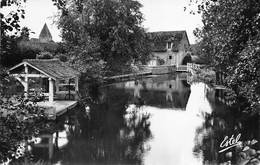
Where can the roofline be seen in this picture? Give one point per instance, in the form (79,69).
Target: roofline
(173,31)
(187,37)
(17,65)
(25,62)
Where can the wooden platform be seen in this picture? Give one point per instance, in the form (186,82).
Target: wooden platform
(57,108)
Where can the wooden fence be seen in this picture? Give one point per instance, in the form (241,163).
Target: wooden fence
(192,66)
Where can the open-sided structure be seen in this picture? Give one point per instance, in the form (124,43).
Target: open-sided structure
(53,77)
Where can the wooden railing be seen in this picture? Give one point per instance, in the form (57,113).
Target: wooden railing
(182,68)
(191,66)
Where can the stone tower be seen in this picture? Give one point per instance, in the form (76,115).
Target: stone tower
(45,35)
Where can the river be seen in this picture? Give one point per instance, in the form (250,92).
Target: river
(159,120)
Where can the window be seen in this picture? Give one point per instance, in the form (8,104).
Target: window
(170,57)
(169,45)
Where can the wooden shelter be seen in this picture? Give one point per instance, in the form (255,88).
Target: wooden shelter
(53,76)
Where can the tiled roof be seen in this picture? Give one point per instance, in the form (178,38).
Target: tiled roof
(54,68)
(161,38)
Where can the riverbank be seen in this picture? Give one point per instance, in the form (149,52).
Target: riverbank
(143,71)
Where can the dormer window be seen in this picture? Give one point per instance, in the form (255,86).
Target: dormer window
(169,45)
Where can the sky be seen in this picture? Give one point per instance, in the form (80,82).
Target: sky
(160,15)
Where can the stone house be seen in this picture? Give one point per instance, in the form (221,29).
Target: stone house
(169,48)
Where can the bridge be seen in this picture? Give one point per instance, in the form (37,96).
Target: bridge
(182,68)
(188,68)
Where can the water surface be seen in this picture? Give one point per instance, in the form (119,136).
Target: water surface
(153,121)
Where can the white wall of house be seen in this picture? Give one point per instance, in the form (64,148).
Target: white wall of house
(170,57)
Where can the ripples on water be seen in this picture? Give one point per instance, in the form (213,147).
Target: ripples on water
(161,120)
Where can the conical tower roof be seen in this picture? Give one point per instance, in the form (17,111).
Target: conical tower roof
(45,34)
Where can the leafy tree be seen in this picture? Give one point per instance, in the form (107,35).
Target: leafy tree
(14,48)
(230,39)
(105,30)
(15,44)
(11,20)
(19,120)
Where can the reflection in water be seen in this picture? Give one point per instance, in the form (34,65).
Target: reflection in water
(174,139)
(164,91)
(108,133)
(153,121)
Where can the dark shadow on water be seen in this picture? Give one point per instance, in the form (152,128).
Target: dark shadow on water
(110,125)
(99,133)
(225,121)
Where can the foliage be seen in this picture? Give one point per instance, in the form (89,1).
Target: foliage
(105,30)
(223,123)
(8,85)
(35,45)
(44,55)
(204,74)
(20,121)
(19,47)
(11,52)
(107,129)
(230,40)
(196,52)
(161,61)
(15,44)
(10,21)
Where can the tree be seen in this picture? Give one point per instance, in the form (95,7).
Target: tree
(20,120)
(106,30)
(11,20)
(44,55)
(15,48)
(230,39)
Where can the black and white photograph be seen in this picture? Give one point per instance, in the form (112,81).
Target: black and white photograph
(130,82)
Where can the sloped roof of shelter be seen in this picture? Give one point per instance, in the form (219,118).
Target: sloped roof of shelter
(160,38)
(53,68)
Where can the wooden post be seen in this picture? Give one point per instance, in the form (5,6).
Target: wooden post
(51,90)
(76,84)
(26,84)
(177,62)
(57,86)
(50,146)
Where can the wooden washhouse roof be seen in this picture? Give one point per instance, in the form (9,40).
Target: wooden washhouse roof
(52,68)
